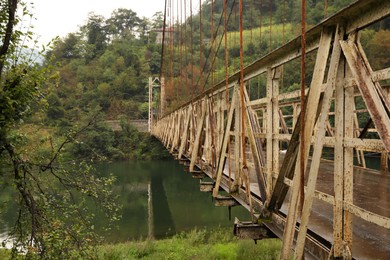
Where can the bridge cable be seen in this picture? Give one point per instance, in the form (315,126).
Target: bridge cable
(242,86)
(235,34)
(180,45)
(245,171)
(163,40)
(283,39)
(261,21)
(213,36)
(185,43)
(172,44)
(284,20)
(251,24)
(303,108)
(200,47)
(227,83)
(325,8)
(270,25)
(212,44)
(219,44)
(192,54)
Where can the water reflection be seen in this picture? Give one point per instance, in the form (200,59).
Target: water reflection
(160,199)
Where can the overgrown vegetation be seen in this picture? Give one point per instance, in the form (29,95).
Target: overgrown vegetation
(53,114)
(196,244)
(51,217)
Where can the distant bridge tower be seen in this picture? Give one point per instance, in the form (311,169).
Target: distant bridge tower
(155,82)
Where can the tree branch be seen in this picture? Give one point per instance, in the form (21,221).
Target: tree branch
(12,5)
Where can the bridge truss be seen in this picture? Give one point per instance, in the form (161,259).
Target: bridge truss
(327,212)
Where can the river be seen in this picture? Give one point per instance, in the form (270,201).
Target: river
(157,199)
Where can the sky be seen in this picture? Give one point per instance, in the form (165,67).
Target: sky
(60,17)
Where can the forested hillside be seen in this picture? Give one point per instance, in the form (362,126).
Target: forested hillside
(106,64)
(102,71)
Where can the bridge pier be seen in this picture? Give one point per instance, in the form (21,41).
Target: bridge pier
(225,201)
(206,186)
(250,230)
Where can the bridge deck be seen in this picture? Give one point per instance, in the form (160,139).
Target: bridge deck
(371,189)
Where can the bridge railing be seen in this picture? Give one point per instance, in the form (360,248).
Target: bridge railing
(267,163)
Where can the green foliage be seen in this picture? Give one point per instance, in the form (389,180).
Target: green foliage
(265,250)
(54,197)
(6,254)
(195,244)
(106,64)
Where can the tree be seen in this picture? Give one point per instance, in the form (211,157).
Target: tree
(378,47)
(68,48)
(52,200)
(158,20)
(123,22)
(96,34)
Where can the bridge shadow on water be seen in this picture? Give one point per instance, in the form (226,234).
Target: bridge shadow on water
(159,199)
(163,221)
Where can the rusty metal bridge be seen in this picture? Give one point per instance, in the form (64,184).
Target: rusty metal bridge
(249,150)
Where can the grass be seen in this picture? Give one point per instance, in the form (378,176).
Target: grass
(196,244)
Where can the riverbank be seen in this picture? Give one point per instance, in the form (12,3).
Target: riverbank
(216,243)
(196,244)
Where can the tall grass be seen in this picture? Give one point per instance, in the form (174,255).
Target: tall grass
(196,244)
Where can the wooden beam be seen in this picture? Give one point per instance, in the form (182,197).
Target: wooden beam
(222,157)
(252,124)
(310,119)
(374,102)
(318,145)
(199,129)
(184,138)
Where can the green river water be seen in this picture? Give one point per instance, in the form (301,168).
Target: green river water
(157,198)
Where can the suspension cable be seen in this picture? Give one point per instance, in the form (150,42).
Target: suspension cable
(200,47)
(242,88)
(213,37)
(226,53)
(325,8)
(192,54)
(261,20)
(172,43)
(283,39)
(163,40)
(270,25)
(303,109)
(251,24)
(220,42)
(180,43)
(226,82)
(284,20)
(185,44)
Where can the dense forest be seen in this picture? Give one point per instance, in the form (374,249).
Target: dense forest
(100,73)
(103,70)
